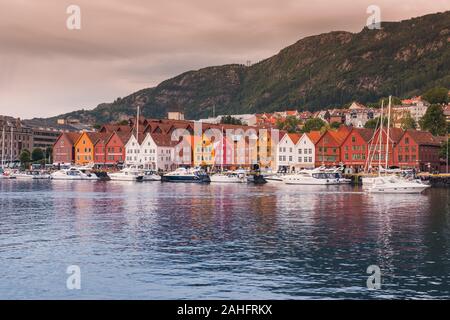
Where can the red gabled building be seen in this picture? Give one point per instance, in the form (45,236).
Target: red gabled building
(64,148)
(419,150)
(386,149)
(355,148)
(328,147)
(100,148)
(115,147)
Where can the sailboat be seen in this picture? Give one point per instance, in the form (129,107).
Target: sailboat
(392,184)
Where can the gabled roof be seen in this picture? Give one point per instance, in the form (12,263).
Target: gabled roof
(395,134)
(339,136)
(314,136)
(423,138)
(295,137)
(93,136)
(366,134)
(102,137)
(163,140)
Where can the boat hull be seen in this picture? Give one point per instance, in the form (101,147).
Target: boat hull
(186,179)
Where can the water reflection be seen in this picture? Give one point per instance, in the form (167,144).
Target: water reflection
(153,240)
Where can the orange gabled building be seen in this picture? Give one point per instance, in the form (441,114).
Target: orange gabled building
(84,148)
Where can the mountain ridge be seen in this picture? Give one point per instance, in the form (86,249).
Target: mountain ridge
(326,70)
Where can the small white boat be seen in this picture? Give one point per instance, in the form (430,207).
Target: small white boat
(274,178)
(238,176)
(187,175)
(307,178)
(32,175)
(394,185)
(23,175)
(127,174)
(73,173)
(151,176)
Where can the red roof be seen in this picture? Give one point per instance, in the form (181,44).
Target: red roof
(314,136)
(366,134)
(423,138)
(295,137)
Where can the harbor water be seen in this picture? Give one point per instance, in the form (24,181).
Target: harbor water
(220,241)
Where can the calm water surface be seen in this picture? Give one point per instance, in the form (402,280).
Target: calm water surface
(182,241)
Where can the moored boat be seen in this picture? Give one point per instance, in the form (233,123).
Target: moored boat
(149,175)
(72,173)
(238,176)
(391,185)
(187,175)
(127,174)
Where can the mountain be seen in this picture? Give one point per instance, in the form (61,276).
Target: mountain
(402,58)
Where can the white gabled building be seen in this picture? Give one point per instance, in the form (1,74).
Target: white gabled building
(287,152)
(133,152)
(306,152)
(296,152)
(153,151)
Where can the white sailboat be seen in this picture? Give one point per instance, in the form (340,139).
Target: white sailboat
(392,184)
(311,177)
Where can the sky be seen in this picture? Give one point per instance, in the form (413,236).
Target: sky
(47,69)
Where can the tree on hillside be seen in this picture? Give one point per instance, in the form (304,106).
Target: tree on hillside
(231,120)
(25,158)
(375,123)
(434,120)
(291,124)
(335,125)
(123,123)
(37,154)
(436,95)
(408,123)
(313,125)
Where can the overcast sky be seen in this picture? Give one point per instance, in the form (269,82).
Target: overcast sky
(123,46)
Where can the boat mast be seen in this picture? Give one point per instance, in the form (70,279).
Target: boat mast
(223,151)
(380,138)
(137,125)
(3,146)
(12,138)
(388,133)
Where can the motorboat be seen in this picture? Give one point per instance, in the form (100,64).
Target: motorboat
(32,175)
(6,174)
(187,175)
(73,173)
(392,184)
(127,174)
(256,178)
(274,178)
(149,175)
(239,176)
(312,177)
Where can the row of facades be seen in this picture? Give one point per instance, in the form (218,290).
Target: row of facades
(167,144)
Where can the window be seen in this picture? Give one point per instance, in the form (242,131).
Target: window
(353,139)
(299,151)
